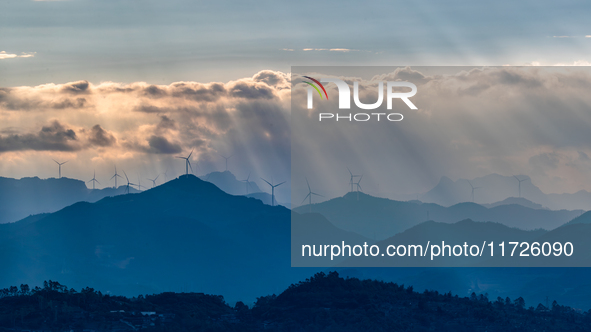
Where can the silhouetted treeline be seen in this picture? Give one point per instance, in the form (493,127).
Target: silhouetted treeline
(325,302)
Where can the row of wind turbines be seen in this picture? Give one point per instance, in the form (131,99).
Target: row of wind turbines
(188,167)
(355,186)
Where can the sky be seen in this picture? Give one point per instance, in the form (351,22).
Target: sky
(77,75)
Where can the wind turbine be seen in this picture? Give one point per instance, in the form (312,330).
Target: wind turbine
(128,183)
(188,163)
(226,159)
(359,186)
(94,180)
(166,175)
(352,176)
(273,190)
(473,188)
(154,181)
(139,181)
(309,196)
(60,167)
(520,183)
(116,176)
(246,181)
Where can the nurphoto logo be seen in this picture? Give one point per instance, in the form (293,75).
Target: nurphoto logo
(345,98)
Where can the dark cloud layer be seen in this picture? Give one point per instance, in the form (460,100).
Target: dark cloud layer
(161,145)
(79,87)
(100,137)
(52,137)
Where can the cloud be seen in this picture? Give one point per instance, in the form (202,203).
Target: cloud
(79,87)
(100,137)
(545,160)
(51,137)
(166,123)
(345,50)
(251,90)
(274,79)
(116,122)
(4,55)
(161,145)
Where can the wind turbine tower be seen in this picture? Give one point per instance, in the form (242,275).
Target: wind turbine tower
(520,183)
(166,175)
(247,182)
(309,196)
(273,190)
(473,188)
(351,182)
(359,186)
(94,180)
(60,167)
(128,183)
(226,159)
(139,183)
(115,177)
(187,163)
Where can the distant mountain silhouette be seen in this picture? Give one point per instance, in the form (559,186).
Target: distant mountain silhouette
(583,218)
(381,218)
(28,196)
(188,234)
(266,198)
(517,201)
(227,182)
(495,188)
(184,233)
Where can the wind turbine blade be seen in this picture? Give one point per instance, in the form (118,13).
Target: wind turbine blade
(126,176)
(277,185)
(157,177)
(305,198)
(97,181)
(65,162)
(267,182)
(317,194)
(112,177)
(190,153)
(349,171)
(308,185)
(90,181)
(181,157)
(248,176)
(191,167)
(55,161)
